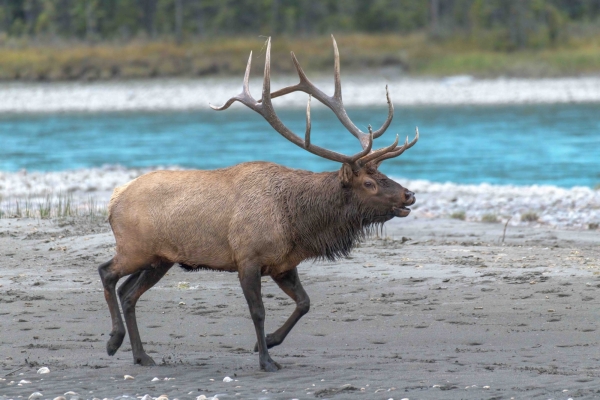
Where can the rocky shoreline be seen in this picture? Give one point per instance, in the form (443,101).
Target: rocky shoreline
(547,206)
(359,91)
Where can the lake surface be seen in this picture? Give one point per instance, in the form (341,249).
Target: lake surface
(522,145)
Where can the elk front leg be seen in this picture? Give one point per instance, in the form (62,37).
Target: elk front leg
(289,282)
(250,280)
(129,293)
(109,280)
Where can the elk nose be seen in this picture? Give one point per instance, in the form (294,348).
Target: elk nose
(409,197)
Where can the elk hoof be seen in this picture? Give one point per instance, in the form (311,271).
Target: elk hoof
(270,366)
(144,360)
(113,344)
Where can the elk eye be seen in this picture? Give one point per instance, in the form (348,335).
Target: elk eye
(369,184)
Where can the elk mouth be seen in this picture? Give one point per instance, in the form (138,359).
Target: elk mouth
(401,211)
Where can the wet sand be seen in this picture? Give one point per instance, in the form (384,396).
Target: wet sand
(432,309)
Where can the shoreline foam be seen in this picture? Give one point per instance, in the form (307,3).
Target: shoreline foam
(573,208)
(191,94)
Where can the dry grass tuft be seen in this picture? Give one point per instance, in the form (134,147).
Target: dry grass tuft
(53,207)
(489,218)
(530,216)
(459,215)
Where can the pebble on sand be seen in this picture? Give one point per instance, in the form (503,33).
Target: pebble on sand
(43,370)
(155,379)
(35,395)
(227,379)
(128,377)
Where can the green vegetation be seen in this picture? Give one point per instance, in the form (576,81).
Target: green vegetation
(459,215)
(529,216)
(489,218)
(413,54)
(108,39)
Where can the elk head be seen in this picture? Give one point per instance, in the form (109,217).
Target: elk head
(359,175)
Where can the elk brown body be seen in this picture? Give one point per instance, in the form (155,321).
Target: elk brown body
(255,219)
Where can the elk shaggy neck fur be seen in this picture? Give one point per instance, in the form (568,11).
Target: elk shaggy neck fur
(325,220)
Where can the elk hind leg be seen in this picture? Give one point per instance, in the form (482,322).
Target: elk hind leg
(289,282)
(129,293)
(109,277)
(250,280)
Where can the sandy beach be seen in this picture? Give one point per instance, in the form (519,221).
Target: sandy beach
(430,309)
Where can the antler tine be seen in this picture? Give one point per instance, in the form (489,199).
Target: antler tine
(308,125)
(388,120)
(378,153)
(245,97)
(396,152)
(266,92)
(337,94)
(304,85)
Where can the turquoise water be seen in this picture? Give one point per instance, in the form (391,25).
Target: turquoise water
(523,145)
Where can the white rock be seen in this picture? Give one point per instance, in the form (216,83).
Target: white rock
(35,395)
(43,370)
(60,398)
(201,397)
(71,393)
(227,379)
(155,379)
(146,397)
(23,381)
(128,377)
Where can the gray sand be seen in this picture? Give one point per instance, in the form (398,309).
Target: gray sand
(433,309)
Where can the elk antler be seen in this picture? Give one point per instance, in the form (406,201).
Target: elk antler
(392,153)
(335,102)
(264,107)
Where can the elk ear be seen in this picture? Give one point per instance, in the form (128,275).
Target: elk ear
(346,175)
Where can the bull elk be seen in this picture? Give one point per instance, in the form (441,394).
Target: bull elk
(255,218)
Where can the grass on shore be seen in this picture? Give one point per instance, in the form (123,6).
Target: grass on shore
(411,54)
(60,206)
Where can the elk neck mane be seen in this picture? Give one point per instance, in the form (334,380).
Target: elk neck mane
(325,220)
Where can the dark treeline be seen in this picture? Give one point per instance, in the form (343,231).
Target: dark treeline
(497,24)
